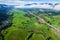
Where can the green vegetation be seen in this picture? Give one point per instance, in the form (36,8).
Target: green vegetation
(23,25)
(55,20)
(16,34)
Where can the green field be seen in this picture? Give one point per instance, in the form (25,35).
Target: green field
(22,26)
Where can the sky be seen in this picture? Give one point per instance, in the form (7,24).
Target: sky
(26,1)
(21,3)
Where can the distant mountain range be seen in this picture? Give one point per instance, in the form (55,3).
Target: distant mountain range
(6,6)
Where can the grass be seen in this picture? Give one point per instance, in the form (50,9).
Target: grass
(37,37)
(16,34)
(22,24)
(55,20)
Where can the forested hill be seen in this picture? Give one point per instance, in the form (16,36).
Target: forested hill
(4,9)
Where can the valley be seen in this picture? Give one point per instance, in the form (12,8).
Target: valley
(30,24)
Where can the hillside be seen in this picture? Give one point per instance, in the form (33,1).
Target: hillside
(26,26)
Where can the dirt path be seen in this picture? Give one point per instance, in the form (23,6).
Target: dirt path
(41,20)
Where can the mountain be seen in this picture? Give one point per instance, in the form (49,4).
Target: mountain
(5,8)
(4,16)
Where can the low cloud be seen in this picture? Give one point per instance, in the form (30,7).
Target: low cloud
(34,6)
(57,7)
